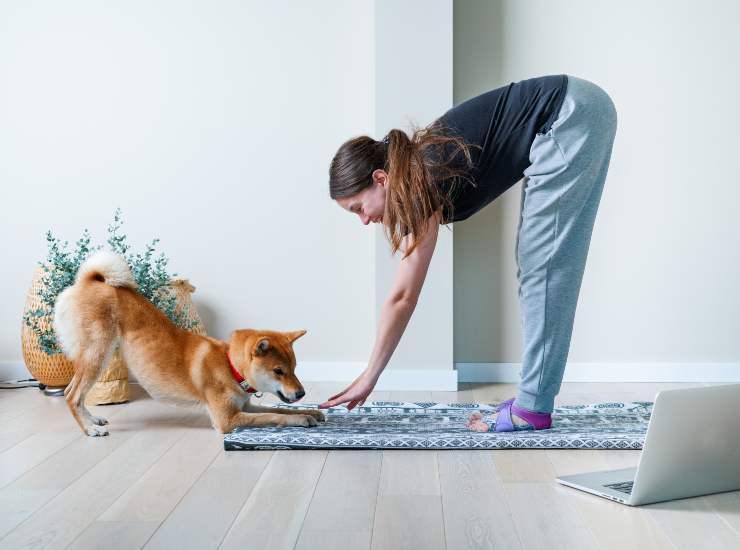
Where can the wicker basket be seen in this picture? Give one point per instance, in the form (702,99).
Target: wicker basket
(52,370)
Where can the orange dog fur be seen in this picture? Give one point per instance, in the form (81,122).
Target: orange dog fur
(103,310)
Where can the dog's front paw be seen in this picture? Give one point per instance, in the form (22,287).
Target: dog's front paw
(96,431)
(318,415)
(303,420)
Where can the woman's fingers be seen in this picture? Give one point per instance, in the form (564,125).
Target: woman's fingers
(340,394)
(337,400)
(331,402)
(344,391)
(355,394)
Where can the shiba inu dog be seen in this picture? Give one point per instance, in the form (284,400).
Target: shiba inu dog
(103,310)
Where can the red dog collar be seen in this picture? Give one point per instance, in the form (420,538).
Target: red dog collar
(243,384)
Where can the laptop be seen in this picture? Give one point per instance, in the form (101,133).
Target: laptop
(692,448)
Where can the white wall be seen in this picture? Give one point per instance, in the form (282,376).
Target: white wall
(661,279)
(212,125)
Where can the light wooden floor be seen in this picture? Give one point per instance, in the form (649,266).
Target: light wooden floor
(162,480)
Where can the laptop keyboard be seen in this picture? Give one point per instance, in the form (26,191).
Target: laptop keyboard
(622,487)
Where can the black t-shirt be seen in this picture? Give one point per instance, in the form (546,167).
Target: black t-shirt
(503,123)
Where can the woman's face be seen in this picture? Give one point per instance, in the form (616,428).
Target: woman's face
(368,204)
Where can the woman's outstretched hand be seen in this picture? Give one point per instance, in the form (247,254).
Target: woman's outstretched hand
(355,394)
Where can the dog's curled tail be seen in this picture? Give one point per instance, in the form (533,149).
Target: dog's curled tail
(108,268)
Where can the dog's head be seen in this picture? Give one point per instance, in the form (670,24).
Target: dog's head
(266,361)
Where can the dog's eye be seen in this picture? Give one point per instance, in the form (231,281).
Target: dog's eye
(279,372)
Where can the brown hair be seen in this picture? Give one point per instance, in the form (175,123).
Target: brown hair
(413,165)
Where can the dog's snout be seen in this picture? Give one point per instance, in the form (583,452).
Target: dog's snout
(299,394)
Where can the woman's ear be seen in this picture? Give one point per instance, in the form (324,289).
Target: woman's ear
(380,177)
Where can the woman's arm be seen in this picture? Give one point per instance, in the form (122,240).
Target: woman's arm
(395,314)
(402,298)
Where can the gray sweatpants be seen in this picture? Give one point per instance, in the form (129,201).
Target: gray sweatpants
(560,196)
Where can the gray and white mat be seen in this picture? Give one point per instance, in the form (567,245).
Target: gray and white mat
(396,425)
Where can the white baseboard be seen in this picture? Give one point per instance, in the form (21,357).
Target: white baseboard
(447,380)
(11,370)
(609,372)
(319,371)
(390,380)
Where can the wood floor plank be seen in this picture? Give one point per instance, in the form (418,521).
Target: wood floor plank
(410,396)
(546,519)
(582,398)
(334,540)
(577,461)
(51,415)
(114,535)
(35,488)
(476,512)
(692,523)
(343,505)
(18,400)
(408,522)
(727,508)
(523,465)
(11,438)
(407,472)
(346,493)
(464,394)
(157,492)
(202,518)
(69,513)
(409,508)
(46,415)
(492,393)
(279,500)
(32,451)
(40,484)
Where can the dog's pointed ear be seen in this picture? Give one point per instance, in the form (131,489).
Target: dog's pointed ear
(294,335)
(261,347)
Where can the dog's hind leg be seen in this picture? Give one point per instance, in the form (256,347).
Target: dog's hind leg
(99,420)
(88,365)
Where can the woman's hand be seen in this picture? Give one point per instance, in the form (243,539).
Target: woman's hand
(355,394)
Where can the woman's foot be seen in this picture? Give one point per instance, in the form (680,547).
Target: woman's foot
(509,418)
(477,424)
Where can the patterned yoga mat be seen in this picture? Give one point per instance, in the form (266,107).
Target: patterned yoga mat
(395,425)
